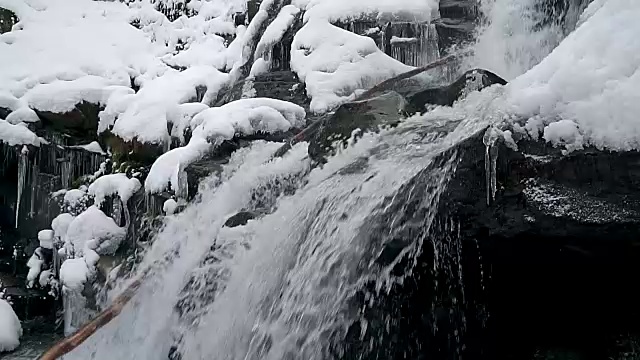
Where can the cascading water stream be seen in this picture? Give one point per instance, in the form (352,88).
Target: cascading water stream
(282,286)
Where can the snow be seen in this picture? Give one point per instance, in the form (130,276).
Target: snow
(60,224)
(22,115)
(214,125)
(114,184)
(10,328)
(145,113)
(402,40)
(589,82)
(74,273)
(61,96)
(333,10)
(35,266)
(335,63)
(93,147)
(169,207)
(45,237)
(74,197)
(180,118)
(276,30)
(18,135)
(93,224)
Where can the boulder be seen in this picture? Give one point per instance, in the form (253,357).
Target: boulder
(472,80)
(366,115)
(81,123)
(503,277)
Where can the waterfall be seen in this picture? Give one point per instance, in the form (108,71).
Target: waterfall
(292,283)
(515,35)
(282,286)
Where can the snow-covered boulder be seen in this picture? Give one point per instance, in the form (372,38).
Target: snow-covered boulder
(10,328)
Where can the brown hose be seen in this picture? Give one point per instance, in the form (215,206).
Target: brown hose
(68,344)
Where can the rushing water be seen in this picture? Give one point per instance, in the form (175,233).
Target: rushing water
(280,287)
(286,285)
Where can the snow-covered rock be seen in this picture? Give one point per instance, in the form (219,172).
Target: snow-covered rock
(590,82)
(10,328)
(212,126)
(114,184)
(45,237)
(93,224)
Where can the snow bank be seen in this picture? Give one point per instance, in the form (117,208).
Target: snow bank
(180,118)
(114,184)
(333,10)
(93,224)
(18,135)
(335,63)
(10,328)
(214,125)
(590,82)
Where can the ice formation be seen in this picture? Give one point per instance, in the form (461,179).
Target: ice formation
(114,184)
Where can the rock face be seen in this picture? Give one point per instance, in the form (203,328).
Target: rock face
(521,274)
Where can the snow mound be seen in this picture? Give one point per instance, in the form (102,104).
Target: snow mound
(35,266)
(74,197)
(45,237)
(93,224)
(214,125)
(114,184)
(335,64)
(60,225)
(590,82)
(18,135)
(144,115)
(169,207)
(74,273)
(10,328)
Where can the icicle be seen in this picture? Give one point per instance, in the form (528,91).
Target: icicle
(182,188)
(35,172)
(23,165)
(489,139)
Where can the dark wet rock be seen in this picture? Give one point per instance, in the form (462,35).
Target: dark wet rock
(281,85)
(7,20)
(133,152)
(366,115)
(240,219)
(472,80)
(524,272)
(4,112)
(80,123)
